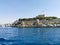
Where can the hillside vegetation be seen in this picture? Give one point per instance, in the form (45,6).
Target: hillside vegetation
(38,21)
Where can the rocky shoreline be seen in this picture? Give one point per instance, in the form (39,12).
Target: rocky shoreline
(40,27)
(39,21)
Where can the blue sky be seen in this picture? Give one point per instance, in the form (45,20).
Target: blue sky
(11,10)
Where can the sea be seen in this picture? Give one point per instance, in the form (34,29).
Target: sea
(29,36)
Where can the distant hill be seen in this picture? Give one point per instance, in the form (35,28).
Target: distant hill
(38,21)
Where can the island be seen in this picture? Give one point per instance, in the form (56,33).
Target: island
(38,21)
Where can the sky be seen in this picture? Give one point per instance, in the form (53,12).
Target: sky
(11,10)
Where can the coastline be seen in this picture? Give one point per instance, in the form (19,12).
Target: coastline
(40,21)
(40,27)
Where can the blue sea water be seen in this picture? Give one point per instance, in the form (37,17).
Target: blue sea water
(29,36)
